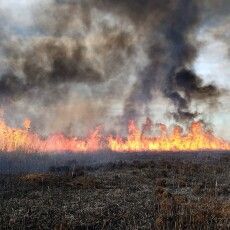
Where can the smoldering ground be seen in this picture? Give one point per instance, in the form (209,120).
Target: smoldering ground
(81,63)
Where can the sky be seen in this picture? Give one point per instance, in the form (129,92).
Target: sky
(71,65)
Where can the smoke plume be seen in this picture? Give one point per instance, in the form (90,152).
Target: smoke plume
(86,60)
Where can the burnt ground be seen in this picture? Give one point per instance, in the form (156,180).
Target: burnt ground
(161,191)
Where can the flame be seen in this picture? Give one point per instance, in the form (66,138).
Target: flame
(196,138)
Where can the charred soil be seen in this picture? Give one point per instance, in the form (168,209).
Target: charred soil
(163,192)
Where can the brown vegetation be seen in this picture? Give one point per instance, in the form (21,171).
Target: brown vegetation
(169,193)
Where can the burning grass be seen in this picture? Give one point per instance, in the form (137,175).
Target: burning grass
(165,192)
(195,138)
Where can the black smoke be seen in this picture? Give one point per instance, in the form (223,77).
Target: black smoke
(98,45)
(173,49)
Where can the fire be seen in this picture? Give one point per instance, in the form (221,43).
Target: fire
(196,138)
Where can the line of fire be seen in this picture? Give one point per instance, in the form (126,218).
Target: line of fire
(195,138)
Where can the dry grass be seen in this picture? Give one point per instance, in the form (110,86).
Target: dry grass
(164,193)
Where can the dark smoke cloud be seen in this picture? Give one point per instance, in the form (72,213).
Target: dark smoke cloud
(191,86)
(168,54)
(103,50)
(55,56)
(170,50)
(57,65)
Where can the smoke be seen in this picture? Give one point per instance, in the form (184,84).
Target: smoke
(81,60)
(191,86)
(171,49)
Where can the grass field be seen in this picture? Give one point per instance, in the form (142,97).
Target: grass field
(162,191)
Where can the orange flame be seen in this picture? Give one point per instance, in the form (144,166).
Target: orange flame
(196,138)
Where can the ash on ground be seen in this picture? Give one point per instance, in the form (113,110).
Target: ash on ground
(171,191)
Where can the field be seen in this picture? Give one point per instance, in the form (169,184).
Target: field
(158,191)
